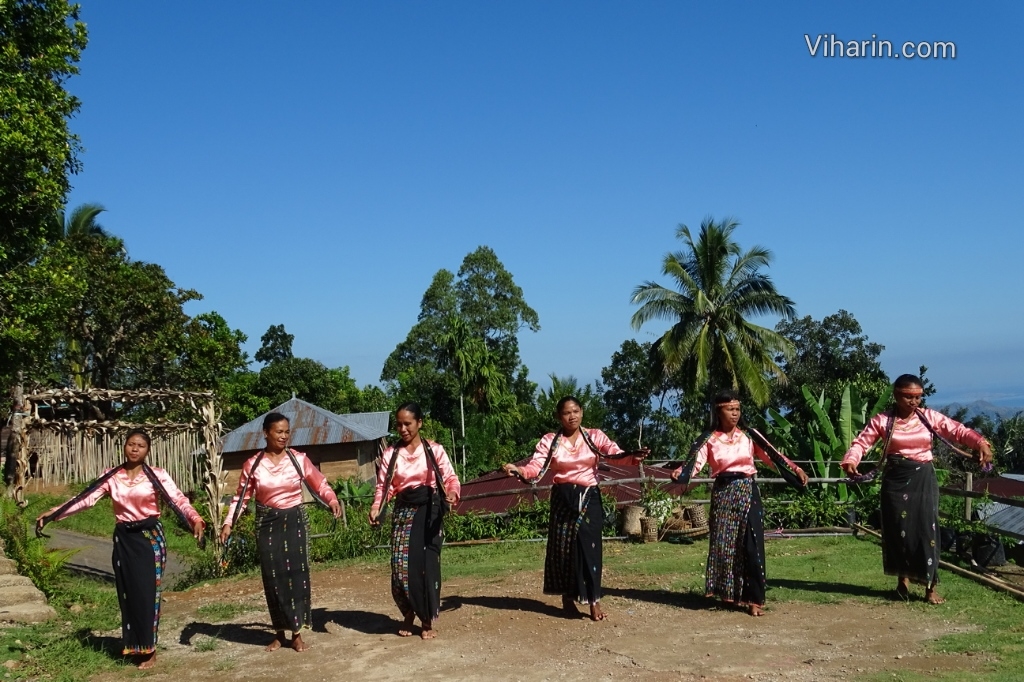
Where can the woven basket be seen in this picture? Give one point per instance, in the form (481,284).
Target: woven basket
(649,526)
(697,515)
(631,520)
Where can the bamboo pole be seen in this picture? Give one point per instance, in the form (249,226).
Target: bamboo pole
(977,577)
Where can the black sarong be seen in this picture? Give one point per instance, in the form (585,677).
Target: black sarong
(416,538)
(735,571)
(572,565)
(139,557)
(283,538)
(910,520)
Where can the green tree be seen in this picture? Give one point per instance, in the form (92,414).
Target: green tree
(276,345)
(719,286)
(827,356)
(211,354)
(80,224)
(484,295)
(594,412)
(40,45)
(309,380)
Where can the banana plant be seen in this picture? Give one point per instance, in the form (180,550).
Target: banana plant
(818,440)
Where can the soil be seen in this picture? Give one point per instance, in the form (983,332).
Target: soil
(505,629)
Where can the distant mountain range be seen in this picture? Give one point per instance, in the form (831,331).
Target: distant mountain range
(984,407)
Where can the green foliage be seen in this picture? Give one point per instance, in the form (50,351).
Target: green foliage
(828,356)
(276,345)
(309,380)
(656,501)
(717,287)
(354,491)
(43,566)
(815,438)
(803,511)
(40,44)
(521,522)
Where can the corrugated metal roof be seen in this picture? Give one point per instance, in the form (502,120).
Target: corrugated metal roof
(311,425)
(997,514)
(627,493)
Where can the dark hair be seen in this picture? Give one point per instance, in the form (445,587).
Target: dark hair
(564,401)
(724,396)
(412,408)
(906,381)
(141,433)
(273,418)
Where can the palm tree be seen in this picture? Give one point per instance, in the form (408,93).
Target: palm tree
(81,223)
(711,341)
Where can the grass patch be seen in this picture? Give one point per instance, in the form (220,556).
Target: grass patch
(219,612)
(204,644)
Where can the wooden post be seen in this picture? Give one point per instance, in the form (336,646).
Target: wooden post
(968,485)
(19,449)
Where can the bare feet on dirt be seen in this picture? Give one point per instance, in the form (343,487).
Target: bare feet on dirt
(278,642)
(406,629)
(298,644)
(755,610)
(569,607)
(596,613)
(147,661)
(428,632)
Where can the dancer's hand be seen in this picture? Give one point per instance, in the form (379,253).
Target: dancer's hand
(985,452)
(641,455)
(225,533)
(802,475)
(850,468)
(452,498)
(197,529)
(335,509)
(374,513)
(511,469)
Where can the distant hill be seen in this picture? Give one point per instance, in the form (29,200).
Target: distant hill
(982,407)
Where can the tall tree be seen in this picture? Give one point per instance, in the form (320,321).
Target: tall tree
(81,223)
(828,355)
(718,286)
(277,345)
(484,295)
(40,45)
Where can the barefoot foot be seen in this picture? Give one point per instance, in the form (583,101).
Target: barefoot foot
(755,610)
(147,661)
(596,613)
(903,589)
(278,641)
(406,629)
(428,631)
(932,597)
(297,643)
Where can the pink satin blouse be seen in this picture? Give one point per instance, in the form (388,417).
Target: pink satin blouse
(910,437)
(575,464)
(134,499)
(278,485)
(729,453)
(412,470)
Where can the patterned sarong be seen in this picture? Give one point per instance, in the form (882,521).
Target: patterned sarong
(910,520)
(735,570)
(139,557)
(416,539)
(283,539)
(572,565)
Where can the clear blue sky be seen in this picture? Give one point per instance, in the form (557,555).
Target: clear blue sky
(313,164)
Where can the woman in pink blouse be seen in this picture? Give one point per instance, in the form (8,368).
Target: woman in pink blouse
(275,476)
(418,475)
(910,493)
(573,563)
(735,571)
(140,553)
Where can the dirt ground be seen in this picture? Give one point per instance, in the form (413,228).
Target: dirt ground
(505,629)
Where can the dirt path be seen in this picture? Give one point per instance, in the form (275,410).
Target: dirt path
(504,629)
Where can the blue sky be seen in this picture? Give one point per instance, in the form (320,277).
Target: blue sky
(313,164)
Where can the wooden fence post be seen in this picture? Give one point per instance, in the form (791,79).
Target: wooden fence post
(968,485)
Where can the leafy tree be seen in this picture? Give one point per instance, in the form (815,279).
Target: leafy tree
(309,380)
(80,224)
(277,345)
(594,412)
(40,45)
(828,355)
(211,354)
(719,286)
(484,296)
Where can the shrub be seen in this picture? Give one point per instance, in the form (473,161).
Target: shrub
(43,566)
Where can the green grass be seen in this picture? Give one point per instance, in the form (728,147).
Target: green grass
(809,570)
(218,612)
